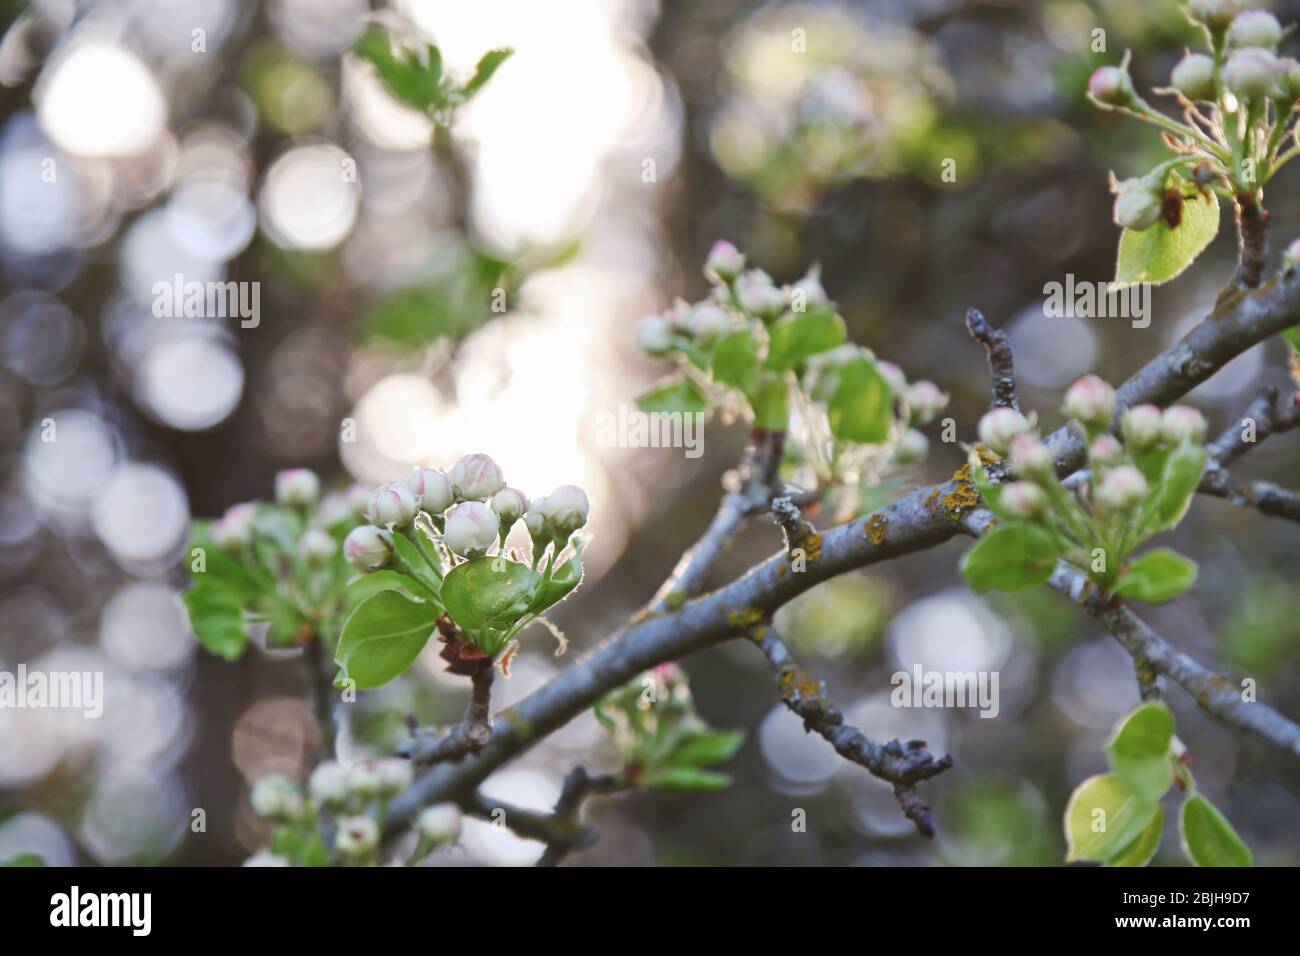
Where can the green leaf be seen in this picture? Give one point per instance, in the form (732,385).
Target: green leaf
(383,637)
(216,618)
(487,596)
(735,361)
(372,582)
(1103,817)
(861,406)
(771,405)
(1139,750)
(678,394)
(1292,338)
(1010,557)
(685,778)
(1168,501)
(1157,576)
(24,859)
(553,590)
(1208,838)
(1158,254)
(706,748)
(415,83)
(1144,845)
(487,65)
(412,562)
(801,335)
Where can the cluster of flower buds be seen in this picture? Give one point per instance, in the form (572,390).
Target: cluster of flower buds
(472,509)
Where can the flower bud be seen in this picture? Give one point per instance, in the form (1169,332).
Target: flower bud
(1121,490)
(366,548)
(655,335)
(357,836)
(808,292)
(316,546)
(265,858)
(709,321)
(1215,14)
(892,374)
(999,426)
(476,478)
(1194,77)
(565,511)
(1140,426)
(1255,28)
(297,486)
(394,775)
(363,781)
(1137,204)
(925,400)
(534,521)
(234,529)
(472,528)
(757,295)
(1252,74)
(328,784)
(358,496)
(334,508)
(911,448)
(1111,86)
(276,797)
(1021,499)
(1089,400)
(432,489)
(725,261)
(1182,423)
(393,505)
(1030,457)
(509,505)
(678,316)
(1105,451)
(439,823)
(1288,72)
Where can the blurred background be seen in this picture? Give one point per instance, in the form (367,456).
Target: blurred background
(223,140)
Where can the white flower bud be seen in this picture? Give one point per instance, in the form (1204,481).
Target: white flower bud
(911,448)
(655,335)
(1137,204)
(678,316)
(565,511)
(476,478)
(1140,426)
(894,376)
(1030,457)
(1252,74)
(1122,489)
(1216,14)
(534,521)
(363,781)
(366,548)
(316,546)
(1255,28)
(1194,77)
(724,262)
(1089,400)
(265,858)
(432,488)
(334,508)
(394,775)
(1288,72)
(357,836)
(509,505)
(234,529)
(709,321)
(808,292)
(758,296)
(925,400)
(276,797)
(1112,86)
(999,426)
(328,784)
(297,486)
(1021,499)
(472,528)
(393,505)
(439,823)
(1182,423)
(1105,451)
(358,498)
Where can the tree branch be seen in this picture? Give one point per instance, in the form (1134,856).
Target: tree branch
(578,785)
(1271,415)
(1002,362)
(470,736)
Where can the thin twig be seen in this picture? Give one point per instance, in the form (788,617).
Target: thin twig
(1002,363)
(578,785)
(470,736)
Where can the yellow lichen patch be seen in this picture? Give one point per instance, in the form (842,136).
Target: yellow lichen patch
(519,726)
(675,599)
(745,620)
(963,495)
(875,528)
(812,547)
(797,684)
(781,569)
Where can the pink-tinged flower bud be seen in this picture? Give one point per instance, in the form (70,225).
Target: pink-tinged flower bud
(363,781)
(1121,490)
(534,521)
(358,496)
(1089,400)
(1288,71)
(1291,257)
(234,529)
(1137,204)
(476,478)
(276,797)
(1105,451)
(655,335)
(509,505)
(1215,14)
(316,546)
(394,775)
(1252,74)
(1030,457)
(328,784)
(709,321)
(472,528)
(334,508)
(892,374)
(297,486)
(808,292)
(1111,86)
(439,823)
(393,505)
(1255,28)
(925,400)
(432,489)
(366,548)
(565,511)
(357,837)
(1140,426)
(911,448)
(725,261)
(999,426)
(678,316)
(1182,423)
(758,296)
(1021,499)
(1194,77)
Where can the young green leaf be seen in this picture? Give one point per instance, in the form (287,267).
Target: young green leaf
(1144,845)
(217,618)
(735,361)
(383,637)
(677,394)
(801,335)
(488,64)
(706,748)
(364,585)
(1208,838)
(489,593)
(1157,576)
(1158,254)
(861,406)
(1103,817)
(415,83)
(771,406)
(1139,750)
(1168,500)
(685,778)
(1012,556)
(553,590)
